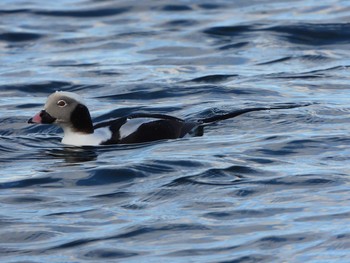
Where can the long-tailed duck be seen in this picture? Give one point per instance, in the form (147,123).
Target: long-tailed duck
(69,111)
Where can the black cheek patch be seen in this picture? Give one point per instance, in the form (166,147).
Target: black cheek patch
(46,118)
(81,119)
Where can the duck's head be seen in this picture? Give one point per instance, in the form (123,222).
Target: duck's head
(66,109)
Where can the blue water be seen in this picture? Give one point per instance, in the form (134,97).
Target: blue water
(270,186)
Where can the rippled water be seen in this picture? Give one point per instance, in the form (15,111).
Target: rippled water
(264,187)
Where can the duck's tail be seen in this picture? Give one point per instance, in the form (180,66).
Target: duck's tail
(236,113)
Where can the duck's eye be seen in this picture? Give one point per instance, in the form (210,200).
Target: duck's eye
(61,103)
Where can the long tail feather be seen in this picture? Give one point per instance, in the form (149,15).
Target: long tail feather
(236,113)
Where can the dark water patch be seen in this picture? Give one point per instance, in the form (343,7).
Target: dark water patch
(181,163)
(144,231)
(314,146)
(227,176)
(19,36)
(336,158)
(229,30)
(141,233)
(251,259)
(70,213)
(114,195)
(268,243)
(151,92)
(92,13)
(27,148)
(135,206)
(176,8)
(14,11)
(304,143)
(161,195)
(112,46)
(209,60)
(325,217)
(331,115)
(214,78)
(73,42)
(80,88)
(25,236)
(303,75)
(278,149)
(309,75)
(115,148)
(28,199)
(32,182)
(314,34)
(315,58)
(107,254)
(339,245)
(234,46)
(75,243)
(278,241)
(247,213)
(176,51)
(275,61)
(210,6)
(262,160)
(8,120)
(155,168)
(106,176)
(9,251)
(154,92)
(28,105)
(136,34)
(46,88)
(202,252)
(4,148)
(302,181)
(344,237)
(39,88)
(208,205)
(319,73)
(13,128)
(73,154)
(39,131)
(230,251)
(303,58)
(246,192)
(305,34)
(71,63)
(102,73)
(147,92)
(180,23)
(271,152)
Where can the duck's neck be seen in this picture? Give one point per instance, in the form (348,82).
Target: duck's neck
(72,137)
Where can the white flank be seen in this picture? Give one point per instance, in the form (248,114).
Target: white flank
(132,125)
(79,139)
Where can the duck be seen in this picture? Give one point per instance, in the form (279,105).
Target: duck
(69,111)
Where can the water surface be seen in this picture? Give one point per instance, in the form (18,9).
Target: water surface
(268,186)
